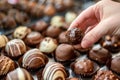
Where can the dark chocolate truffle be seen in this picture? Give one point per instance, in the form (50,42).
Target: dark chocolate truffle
(100,55)
(33,38)
(74,35)
(48,45)
(53,31)
(19,74)
(112,43)
(34,59)
(105,75)
(15,48)
(64,52)
(62,38)
(6,65)
(40,26)
(21,32)
(54,71)
(3,40)
(115,64)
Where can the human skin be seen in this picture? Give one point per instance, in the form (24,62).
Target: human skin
(98,20)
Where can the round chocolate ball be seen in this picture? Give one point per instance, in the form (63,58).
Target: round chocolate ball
(33,38)
(15,48)
(53,31)
(33,56)
(100,55)
(2,16)
(48,45)
(115,63)
(103,75)
(6,65)
(13,12)
(63,38)
(19,74)
(74,35)
(3,40)
(21,32)
(73,79)
(54,71)
(64,52)
(69,3)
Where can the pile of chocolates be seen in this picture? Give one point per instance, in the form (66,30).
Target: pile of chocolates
(21,13)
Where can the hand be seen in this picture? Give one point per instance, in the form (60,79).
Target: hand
(98,20)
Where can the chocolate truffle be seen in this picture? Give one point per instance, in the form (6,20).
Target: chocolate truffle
(14,48)
(74,35)
(2,16)
(73,79)
(34,59)
(53,31)
(33,38)
(40,26)
(54,71)
(100,55)
(83,67)
(62,38)
(105,75)
(48,45)
(57,21)
(68,3)
(13,12)
(3,41)
(65,52)
(6,65)
(21,32)
(19,74)
(112,43)
(115,64)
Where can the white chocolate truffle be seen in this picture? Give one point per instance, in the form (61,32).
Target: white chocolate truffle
(3,41)
(48,45)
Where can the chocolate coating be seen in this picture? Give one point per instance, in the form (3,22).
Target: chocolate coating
(54,71)
(53,31)
(15,48)
(105,75)
(100,55)
(73,79)
(19,74)
(34,59)
(6,65)
(62,38)
(3,40)
(33,38)
(64,52)
(84,66)
(68,3)
(115,64)
(74,35)
(21,32)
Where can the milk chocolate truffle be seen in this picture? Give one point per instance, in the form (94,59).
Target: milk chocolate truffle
(83,67)
(57,21)
(6,65)
(68,3)
(115,64)
(34,59)
(48,45)
(105,75)
(59,5)
(54,71)
(73,79)
(65,52)
(100,55)
(21,32)
(40,26)
(53,31)
(15,48)
(33,38)
(2,16)
(3,41)
(63,38)
(74,35)
(112,43)
(19,74)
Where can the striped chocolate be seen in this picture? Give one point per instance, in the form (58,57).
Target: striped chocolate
(54,71)
(15,48)
(19,74)
(3,41)
(6,65)
(34,59)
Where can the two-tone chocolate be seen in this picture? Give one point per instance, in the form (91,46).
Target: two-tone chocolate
(3,40)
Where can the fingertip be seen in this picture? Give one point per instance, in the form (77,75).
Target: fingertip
(86,43)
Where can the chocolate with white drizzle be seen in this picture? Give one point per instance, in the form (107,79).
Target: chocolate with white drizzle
(54,71)
(15,48)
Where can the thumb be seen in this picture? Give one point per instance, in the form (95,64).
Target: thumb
(95,34)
